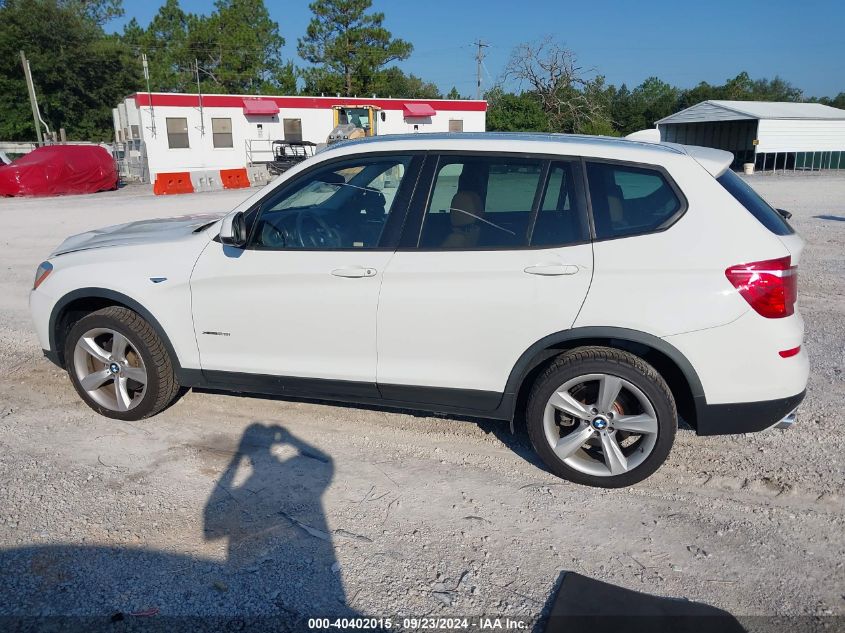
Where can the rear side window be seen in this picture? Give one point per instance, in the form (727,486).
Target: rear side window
(758,207)
(561,219)
(630,200)
(479,202)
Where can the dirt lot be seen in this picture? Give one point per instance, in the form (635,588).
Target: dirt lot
(229,505)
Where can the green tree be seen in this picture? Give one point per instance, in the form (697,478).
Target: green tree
(653,99)
(239,49)
(349,43)
(835,102)
(165,43)
(454,94)
(776,89)
(509,112)
(741,88)
(98,11)
(80,73)
(392,82)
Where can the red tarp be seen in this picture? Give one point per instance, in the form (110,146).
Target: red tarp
(265,107)
(417,110)
(59,169)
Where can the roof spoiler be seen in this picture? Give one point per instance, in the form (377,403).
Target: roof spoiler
(715,161)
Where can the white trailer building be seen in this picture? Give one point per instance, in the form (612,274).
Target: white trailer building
(170,132)
(772,135)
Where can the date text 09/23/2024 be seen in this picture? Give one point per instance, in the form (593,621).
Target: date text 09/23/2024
(422,624)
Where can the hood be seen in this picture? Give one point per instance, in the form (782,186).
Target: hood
(136,233)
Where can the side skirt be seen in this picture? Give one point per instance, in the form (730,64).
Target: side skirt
(466,402)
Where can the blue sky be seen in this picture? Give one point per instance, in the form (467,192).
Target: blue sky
(681,42)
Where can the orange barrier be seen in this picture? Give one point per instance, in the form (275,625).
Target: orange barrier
(177,182)
(234,178)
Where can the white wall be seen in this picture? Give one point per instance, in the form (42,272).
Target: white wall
(316,125)
(800,135)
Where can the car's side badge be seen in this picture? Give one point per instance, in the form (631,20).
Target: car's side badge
(158,280)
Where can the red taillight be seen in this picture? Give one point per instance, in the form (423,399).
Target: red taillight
(787,353)
(769,286)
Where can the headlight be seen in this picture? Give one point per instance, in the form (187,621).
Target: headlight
(44,270)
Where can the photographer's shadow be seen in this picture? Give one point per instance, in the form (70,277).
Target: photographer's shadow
(280,568)
(268,506)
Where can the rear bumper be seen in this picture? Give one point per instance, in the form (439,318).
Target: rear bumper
(743,417)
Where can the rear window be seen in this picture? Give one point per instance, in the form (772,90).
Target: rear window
(758,207)
(629,200)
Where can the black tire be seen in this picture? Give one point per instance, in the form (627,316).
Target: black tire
(602,360)
(161,388)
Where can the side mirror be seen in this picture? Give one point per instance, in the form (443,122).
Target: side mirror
(233,230)
(784,213)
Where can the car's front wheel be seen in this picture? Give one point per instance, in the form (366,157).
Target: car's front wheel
(119,365)
(601,417)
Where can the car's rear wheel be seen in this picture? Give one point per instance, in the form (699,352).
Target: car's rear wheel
(118,364)
(601,417)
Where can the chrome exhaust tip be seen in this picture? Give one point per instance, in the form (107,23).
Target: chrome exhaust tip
(788,420)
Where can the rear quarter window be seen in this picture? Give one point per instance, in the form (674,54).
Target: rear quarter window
(630,200)
(755,205)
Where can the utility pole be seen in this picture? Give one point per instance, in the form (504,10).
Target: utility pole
(149,93)
(36,117)
(479,59)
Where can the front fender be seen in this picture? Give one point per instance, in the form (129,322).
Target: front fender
(112,296)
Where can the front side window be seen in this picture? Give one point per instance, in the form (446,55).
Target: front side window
(629,200)
(480,202)
(177,133)
(345,205)
(221,133)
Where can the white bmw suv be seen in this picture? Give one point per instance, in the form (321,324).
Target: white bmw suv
(601,289)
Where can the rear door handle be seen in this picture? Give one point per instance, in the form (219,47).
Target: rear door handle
(354,272)
(552,270)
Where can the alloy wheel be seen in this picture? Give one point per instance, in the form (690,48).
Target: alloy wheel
(600,424)
(109,369)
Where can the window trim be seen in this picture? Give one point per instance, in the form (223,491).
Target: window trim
(396,218)
(667,224)
(428,177)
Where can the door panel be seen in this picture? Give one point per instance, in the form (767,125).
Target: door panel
(462,319)
(301,299)
(503,259)
(285,313)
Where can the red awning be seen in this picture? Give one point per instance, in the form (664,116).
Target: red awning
(264,107)
(417,110)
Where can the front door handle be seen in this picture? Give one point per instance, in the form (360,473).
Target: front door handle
(552,270)
(354,272)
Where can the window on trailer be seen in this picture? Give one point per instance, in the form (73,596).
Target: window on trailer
(177,133)
(456,125)
(221,133)
(293,129)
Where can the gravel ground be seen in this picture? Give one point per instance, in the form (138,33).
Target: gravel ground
(227,505)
